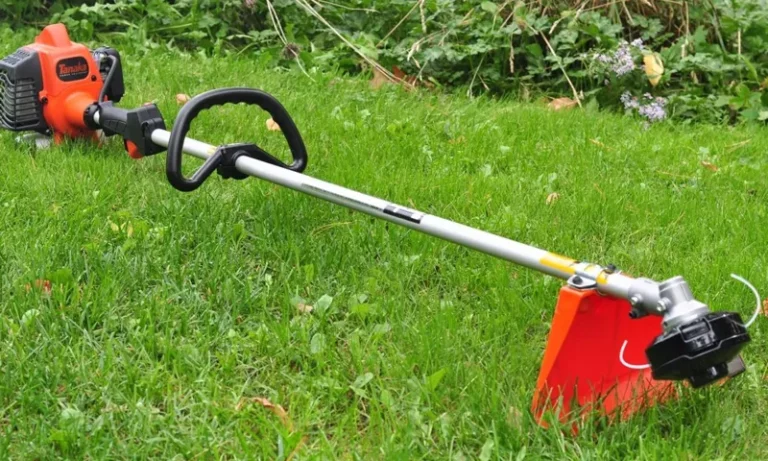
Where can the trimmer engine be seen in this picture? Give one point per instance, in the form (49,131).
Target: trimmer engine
(48,85)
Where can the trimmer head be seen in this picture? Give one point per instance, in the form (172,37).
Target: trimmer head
(602,356)
(702,351)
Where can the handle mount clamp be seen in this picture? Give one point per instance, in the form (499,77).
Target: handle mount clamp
(229,153)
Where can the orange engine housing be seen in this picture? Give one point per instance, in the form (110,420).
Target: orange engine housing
(71,82)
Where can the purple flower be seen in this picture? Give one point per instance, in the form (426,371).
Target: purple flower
(620,61)
(629,101)
(603,58)
(651,108)
(638,43)
(654,112)
(625,98)
(249,3)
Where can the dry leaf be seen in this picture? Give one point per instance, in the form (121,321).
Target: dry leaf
(709,166)
(379,79)
(654,68)
(599,144)
(43,285)
(459,140)
(597,188)
(304,308)
(399,74)
(765,307)
(738,145)
(515,417)
(298,447)
(277,410)
(410,80)
(40,284)
(272,125)
(182,99)
(562,103)
(552,198)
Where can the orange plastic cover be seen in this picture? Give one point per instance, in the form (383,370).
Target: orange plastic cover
(581,370)
(71,82)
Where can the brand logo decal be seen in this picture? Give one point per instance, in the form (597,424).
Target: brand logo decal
(72,69)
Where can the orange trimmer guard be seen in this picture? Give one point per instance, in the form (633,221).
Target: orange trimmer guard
(582,373)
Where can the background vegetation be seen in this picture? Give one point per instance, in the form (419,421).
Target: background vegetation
(713,51)
(137,322)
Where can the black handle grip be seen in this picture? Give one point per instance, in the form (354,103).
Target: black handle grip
(217,98)
(113,120)
(134,125)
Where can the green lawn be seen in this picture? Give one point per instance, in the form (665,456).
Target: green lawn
(169,312)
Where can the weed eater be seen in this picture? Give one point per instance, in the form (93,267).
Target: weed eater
(616,341)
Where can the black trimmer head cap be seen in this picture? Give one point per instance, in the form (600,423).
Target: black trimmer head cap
(701,351)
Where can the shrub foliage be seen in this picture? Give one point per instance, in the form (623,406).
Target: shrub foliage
(713,51)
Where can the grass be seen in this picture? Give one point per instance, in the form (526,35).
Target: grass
(169,312)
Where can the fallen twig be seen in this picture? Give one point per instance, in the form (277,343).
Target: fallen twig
(560,64)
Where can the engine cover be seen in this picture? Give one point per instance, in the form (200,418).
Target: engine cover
(47,86)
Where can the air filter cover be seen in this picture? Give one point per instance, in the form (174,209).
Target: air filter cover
(20,85)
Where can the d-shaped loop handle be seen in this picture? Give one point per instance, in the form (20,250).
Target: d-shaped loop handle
(221,97)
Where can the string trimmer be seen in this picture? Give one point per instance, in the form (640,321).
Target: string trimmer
(607,324)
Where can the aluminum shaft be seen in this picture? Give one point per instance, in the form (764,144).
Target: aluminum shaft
(614,284)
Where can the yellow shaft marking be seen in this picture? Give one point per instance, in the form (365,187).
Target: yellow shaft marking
(600,276)
(561,263)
